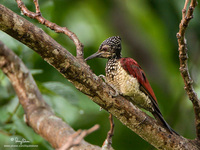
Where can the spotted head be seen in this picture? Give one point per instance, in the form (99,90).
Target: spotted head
(110,48)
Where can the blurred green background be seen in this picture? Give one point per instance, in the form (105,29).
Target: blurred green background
(148,30)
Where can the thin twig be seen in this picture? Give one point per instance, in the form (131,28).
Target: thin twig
(77,137)
(184,8)
(183,57)
(37,7)
(11,115)
(108,142)
(38,16)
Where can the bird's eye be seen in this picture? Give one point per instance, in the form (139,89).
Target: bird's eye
(105,48)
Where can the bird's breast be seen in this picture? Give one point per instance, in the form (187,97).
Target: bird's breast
(126,84)
(120,79)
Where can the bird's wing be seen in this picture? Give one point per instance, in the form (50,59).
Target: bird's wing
(132,68)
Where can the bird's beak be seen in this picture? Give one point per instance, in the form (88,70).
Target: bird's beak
(95,55)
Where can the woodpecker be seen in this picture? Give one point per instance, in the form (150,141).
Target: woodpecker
(128,79)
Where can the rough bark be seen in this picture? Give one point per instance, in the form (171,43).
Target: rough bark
(84,80)
(183,57)
(38,114)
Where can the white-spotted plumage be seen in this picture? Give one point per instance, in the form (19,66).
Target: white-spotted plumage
(126,84)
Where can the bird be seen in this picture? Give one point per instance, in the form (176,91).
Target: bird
(128,79)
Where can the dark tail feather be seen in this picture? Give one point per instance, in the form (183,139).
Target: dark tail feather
(161,120)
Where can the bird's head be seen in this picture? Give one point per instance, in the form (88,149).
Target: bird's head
(110,48)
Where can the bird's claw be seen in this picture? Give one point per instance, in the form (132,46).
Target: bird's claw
(113,94)
(103,77)
(116,92)
(142,121)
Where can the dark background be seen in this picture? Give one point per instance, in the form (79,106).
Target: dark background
(148,30)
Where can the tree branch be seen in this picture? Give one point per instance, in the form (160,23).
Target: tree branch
(108,141)
(76,138)
(52,26)
(38,114)
(84,80)
(183,57)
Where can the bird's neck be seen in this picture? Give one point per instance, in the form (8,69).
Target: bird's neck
(112,60)
(112,65)
(116,56)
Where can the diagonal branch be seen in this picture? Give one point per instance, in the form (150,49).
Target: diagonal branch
(183,57)
(87,82)
(38,114)
(38,16)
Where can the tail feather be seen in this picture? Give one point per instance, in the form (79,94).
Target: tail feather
(161,120)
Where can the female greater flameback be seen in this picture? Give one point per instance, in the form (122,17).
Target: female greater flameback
(128,78)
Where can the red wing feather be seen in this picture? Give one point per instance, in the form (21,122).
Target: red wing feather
(132,68)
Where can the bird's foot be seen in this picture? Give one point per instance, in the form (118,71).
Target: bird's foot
(142,121)
(103,77)
(113,94)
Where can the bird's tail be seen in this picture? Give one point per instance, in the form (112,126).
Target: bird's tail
(161,120)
